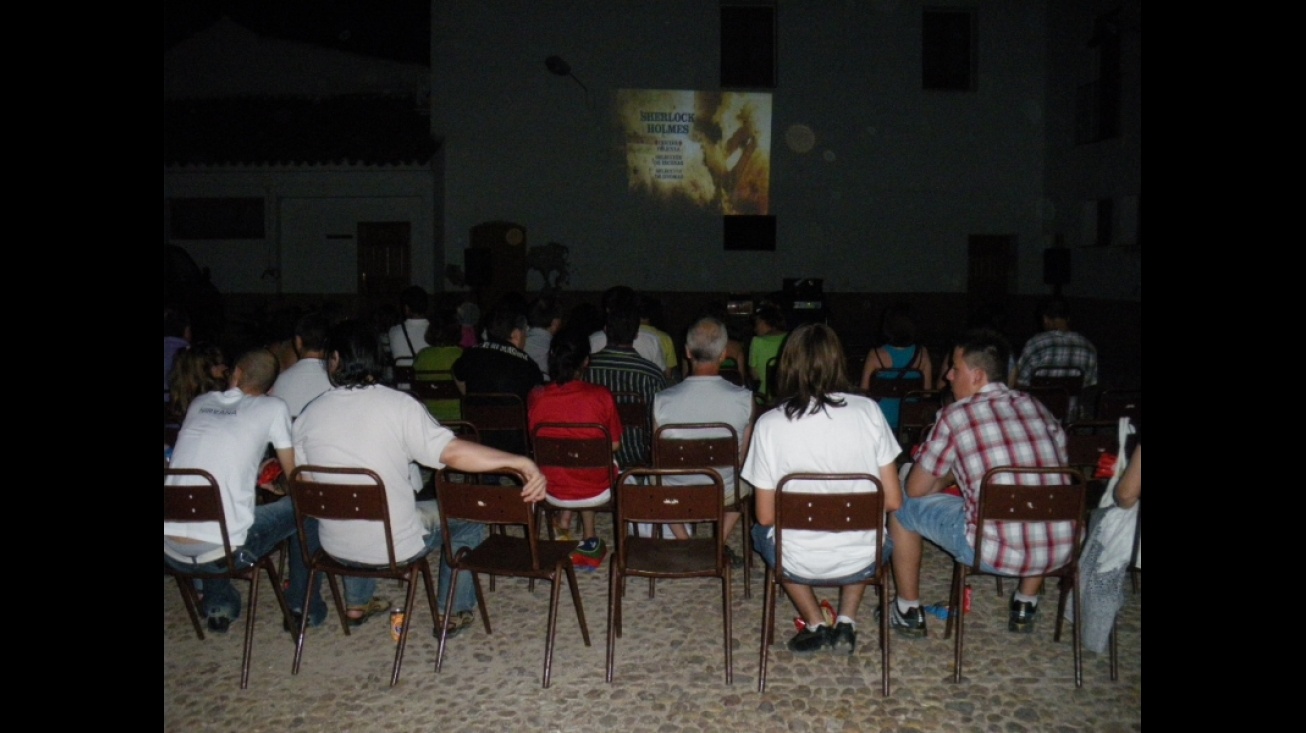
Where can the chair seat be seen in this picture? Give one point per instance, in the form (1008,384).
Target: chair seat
(506,555)
(655,557)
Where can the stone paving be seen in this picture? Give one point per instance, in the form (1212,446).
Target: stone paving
(669,670)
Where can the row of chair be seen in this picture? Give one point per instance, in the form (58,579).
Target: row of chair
(642,498)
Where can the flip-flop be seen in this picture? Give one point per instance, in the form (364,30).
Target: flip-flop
(460,621)
(373,607)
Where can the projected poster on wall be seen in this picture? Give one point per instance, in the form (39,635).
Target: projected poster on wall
(711,150)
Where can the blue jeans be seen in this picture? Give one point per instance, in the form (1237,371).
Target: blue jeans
(941,519)
(272,523)
(764,544)
(358,591)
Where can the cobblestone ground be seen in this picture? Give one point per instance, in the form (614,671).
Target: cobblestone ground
(669,670)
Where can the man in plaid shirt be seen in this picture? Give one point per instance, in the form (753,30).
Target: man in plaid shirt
(1058,347)
(988,426)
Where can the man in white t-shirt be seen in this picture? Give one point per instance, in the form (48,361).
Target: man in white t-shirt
(704,397)
(360,423)
(226,434)
(307,377)
(409,337)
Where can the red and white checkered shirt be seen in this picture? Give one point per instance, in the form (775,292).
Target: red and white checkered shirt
(1001,427)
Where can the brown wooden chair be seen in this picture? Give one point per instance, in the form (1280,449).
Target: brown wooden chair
(915,416)
(436,386)
(501,554)
(846,512)
(895,383)
(1007,502)
(1068,378)
(644,498)
(403,376)
(717,446)
(499,417)
(362,498)
(1055,398)
(575,446)
(202,502)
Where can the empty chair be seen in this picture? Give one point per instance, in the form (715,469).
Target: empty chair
(528,556)
(202,502)
(836,513)
(355,494)
(643,497)
(1000,500)
(1068,378)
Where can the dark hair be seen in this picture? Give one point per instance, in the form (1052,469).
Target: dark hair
(567,354)
(811,369)
(312,330)
(192,376)
(175,321)
(414,299)
(898,327)
(618,296)
(771,316)
(623,326)
(986,350)
(1055,308)
(360,355)
(543,312)
(445,330)
(505,319)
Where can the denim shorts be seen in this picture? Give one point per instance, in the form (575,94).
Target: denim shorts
(764,544)
(941,519)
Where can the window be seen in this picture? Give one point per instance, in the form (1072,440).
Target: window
(948,50)
(235,218)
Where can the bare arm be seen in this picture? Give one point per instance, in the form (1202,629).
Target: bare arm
(927,368)
(892,487)
(1130,488)
(286,456)
(472,457)
(868,369)
(923,483)
(764,506)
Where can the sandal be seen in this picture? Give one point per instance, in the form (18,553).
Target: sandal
(373,607)
(459,621)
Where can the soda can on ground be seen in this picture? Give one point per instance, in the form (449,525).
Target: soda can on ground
(396,623)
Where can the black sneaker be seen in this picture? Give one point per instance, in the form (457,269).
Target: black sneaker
(219,624)
(810,640)
(844,635)
(911,623)
(1022,617)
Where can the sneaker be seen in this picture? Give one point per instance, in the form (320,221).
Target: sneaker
(911,623)
(1022,617)
(844,635)
(589,554)
(811,639)
(219,624)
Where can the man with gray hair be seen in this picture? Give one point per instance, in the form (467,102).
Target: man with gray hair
(705,396)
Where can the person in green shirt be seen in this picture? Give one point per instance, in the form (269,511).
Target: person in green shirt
(769,330)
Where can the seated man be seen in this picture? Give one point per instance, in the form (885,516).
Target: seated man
(361,423)
(705,396)
(545,320)
(988,426)
(619,368)
(1057,347)
(226,433)
(646,344)
(307,377)
(500,365)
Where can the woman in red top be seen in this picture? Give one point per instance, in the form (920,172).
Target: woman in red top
(568,399)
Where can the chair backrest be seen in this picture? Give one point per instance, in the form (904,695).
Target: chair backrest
(1068,378)
(1000,500)
(573,445)
(843,512)
(1087,441)
(918,410)
(632,408)
(895,383)
(772,378)
(675,446)
(403,375)
(435,385)
(642,497)
(324,492)
(198,500)
(733,376)
(486,502)
(496,412)
(463,429)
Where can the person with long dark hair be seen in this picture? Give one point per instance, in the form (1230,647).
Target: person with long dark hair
(820,426)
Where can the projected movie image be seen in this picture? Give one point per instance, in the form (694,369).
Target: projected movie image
(711,150)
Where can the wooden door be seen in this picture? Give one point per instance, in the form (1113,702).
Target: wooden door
(384,257)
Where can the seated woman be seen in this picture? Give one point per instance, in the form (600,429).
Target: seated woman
(198,369)
(819,426)
(900,357)
(568,399)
